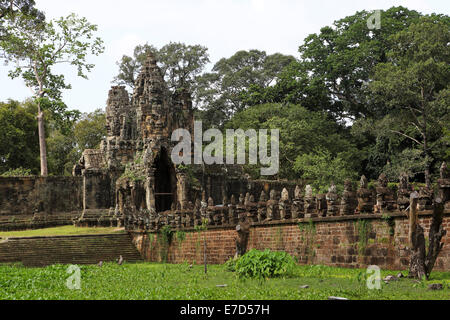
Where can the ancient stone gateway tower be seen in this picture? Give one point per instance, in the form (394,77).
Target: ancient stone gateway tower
(132,171)
(131,181)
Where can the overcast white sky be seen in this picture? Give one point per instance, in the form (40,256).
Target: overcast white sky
(224,26)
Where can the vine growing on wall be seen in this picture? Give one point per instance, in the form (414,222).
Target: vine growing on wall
(364,227)
(308,230)
(181,236)
(164,239)
(279,238)
(390,222)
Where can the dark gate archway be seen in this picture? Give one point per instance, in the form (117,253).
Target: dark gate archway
(165,182)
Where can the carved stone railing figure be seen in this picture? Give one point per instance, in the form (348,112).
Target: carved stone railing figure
(297,209)
(385,196)
(310,203)
(284,205)
(349,201)
(403,193)
(333,204)
(425,201)
(321,203)
(365,197)
(272,206)
(262,207)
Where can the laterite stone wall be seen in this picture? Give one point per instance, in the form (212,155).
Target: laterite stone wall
(345,241)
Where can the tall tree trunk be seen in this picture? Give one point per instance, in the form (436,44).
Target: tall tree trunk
(42,146)
(422,262)
(416,241)
(435,235)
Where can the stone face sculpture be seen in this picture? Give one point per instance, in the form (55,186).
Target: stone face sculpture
(272,205)
(321,203)
(262,207)
(284,205)
(365,198)
(349,201)
(310,203)
(403,193)
(233,200)
(232,212)
(297,205)
(385,196)
(332,198)
(224,215)
(425,201)
(241,199)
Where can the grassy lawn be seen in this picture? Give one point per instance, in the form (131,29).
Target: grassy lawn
(58,231)
(165,281)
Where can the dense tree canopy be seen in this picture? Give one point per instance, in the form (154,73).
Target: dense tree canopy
(356,101)
(179,63)
(223,91)
(302,133)
(19,146)
(35,49)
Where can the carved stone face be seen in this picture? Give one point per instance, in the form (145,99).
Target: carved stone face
(332,188)
(363,182)
(308,191)
(262,197)
(297,192)
(348,186)
(382,180)
(403,181)
(272,194)
(443,171)
(285,195)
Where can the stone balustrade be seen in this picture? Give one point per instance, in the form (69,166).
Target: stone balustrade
(287,208)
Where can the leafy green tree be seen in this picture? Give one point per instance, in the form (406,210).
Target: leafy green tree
(223,91)
(65,148)
(18,137)
(9,8)
(320,168)
(129,67)
(413,85)
(301,132)
(179,63)
(37,49)
(90,130)
(336,64)
(61,153)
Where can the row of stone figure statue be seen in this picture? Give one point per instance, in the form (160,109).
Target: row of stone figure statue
(281,206)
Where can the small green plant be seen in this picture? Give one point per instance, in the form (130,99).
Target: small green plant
(165,239)
(279,239)
(264,264)
(180,235)
(308,230)
(230,265)
(363,227)
(18,172)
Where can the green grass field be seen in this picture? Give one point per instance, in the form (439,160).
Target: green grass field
(166,281)
(58,231)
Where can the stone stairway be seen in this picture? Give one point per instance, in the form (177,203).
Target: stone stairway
(81,249)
